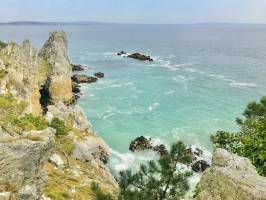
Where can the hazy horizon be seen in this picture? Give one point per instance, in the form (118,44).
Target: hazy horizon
(139,11)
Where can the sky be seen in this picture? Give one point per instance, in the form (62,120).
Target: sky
(136,11)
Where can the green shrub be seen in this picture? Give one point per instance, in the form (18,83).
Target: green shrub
(31,122)
(3,44)
(99,193)
(60,127)
(250,141)
(3,73)
(10,110)
(64,143)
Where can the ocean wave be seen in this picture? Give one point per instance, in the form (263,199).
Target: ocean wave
(231,82)
(114,84)
(183,64)
(183,80)
(124,161)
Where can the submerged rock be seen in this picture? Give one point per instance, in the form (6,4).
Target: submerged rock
(231,177)
(121,53)
(139,56)
(84,79)
(99,75)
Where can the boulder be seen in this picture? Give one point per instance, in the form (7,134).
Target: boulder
(139,56)
(57,160)
(91,148)
(83,79)
(140,144)
(99,75)
(75,88)
(200,166)
(231,177)
(21,163)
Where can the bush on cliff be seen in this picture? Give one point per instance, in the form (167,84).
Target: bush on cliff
(250,141)
(158,180)
(3,73)
(31,122)
(3,44)
(59,126)
(10,110)
(99,194)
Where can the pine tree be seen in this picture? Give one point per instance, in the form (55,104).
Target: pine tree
(158,180)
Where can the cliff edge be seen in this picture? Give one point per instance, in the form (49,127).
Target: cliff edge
(48,147)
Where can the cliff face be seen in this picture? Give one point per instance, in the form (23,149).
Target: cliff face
(231,178)
(35,82)
(26,72)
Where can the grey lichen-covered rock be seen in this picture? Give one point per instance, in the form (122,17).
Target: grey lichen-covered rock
(57,160)
(231,178)
(55,51)
(91,148)
(27,72)
(21,162)
(72,114)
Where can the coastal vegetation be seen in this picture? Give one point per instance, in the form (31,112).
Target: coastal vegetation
(161,179)
(2,44)
(250,141)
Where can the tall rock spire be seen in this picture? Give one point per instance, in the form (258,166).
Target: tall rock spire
(55,51)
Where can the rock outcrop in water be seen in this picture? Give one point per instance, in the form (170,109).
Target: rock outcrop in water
(231,177)
(139,56)
(141,144)
(39,82)
(99,74)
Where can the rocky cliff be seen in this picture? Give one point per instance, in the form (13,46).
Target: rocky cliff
(48,147)
(231,178)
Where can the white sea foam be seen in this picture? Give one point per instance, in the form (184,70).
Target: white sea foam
(169,92)
(153,106)
(231,82)
(124,161)
(183,65)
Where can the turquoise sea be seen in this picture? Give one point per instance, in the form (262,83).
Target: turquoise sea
(201,80)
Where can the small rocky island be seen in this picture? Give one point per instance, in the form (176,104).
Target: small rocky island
(137,56)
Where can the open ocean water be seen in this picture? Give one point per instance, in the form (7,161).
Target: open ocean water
(202,78)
